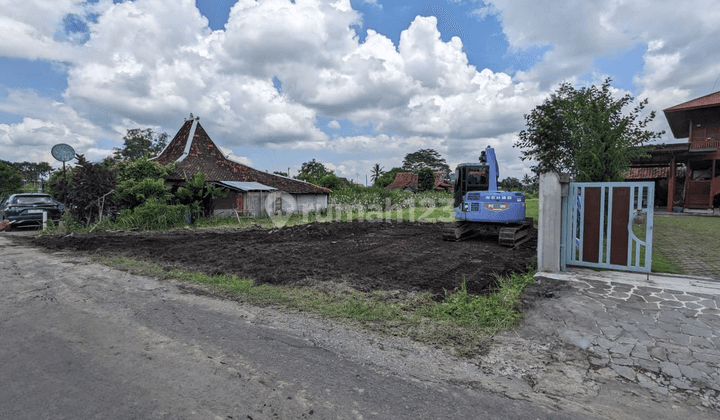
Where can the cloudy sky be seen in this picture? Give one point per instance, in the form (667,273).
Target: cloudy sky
(349,82)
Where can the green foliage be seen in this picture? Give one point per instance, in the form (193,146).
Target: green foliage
(585,132)
(152,215)
(510,184)
(89,183)
(199,196)
(492,312)
(331,181)
(10,178)
(33,172)
(141,179)
(530,185)
(138,143)
(30,187)
(388,177)
(377,172)
(426,179)
(58,184)
(312,172)
(280,173)
(425,158)
(356,198)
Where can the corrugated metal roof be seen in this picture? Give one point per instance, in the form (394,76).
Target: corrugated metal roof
(247,186)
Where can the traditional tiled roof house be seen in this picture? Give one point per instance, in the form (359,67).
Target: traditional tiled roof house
(688,174)
(409,181)
(252,192)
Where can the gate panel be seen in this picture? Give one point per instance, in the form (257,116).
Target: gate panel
(609,225)
(620,216)
(591,225)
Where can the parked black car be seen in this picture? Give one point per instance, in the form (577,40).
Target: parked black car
(26,209)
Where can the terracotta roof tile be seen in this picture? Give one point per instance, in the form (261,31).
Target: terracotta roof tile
(204,156)
(710,100)
(410,180)
(404,180)
(653,172)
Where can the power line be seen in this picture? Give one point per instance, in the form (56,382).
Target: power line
(716,80)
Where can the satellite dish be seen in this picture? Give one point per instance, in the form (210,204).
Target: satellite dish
(63,152)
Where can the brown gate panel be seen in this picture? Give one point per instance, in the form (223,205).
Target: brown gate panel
(591,225)
(620,219)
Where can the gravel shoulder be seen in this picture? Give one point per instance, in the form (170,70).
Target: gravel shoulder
(81,340)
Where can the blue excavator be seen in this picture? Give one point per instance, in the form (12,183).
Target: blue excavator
(481,209)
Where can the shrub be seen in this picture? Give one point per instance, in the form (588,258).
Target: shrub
(139,180)
(153,215)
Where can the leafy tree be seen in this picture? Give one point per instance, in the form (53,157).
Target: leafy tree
(90,182)
(529,184)
(377,172)
(388,177)
(585,132)
(33,172)
(426,179)
(425,158)
(199,195)
(331,181)
(312,172)
(11,179)
(510,184)
(280,173)
(58,184)
(141,179)
(138,143)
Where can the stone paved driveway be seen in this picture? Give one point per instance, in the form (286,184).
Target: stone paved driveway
(662,332)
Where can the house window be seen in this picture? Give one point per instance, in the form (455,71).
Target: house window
(278,204)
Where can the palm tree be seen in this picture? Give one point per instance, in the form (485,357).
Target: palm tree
(377,172)
(528,183)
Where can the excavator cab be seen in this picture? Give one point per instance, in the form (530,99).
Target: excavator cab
(480,207)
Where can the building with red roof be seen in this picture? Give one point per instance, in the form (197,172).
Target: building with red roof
(689,172)
(409,182)
(252,192)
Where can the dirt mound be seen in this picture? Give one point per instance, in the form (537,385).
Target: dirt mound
(367,255)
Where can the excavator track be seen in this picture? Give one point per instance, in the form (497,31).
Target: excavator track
(508,235)
(514,236)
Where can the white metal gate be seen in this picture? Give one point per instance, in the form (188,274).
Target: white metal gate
(608,225)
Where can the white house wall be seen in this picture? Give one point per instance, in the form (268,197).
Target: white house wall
(310,202)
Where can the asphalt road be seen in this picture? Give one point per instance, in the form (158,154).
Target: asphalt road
(79,340)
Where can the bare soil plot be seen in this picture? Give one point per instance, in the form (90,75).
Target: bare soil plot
(367,255)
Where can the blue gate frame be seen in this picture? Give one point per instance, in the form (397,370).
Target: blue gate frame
(597,225)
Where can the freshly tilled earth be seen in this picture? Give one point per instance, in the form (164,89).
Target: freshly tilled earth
(367,256)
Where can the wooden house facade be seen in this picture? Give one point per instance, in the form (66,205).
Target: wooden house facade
(692,169)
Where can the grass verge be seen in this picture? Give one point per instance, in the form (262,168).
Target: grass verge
(461,323)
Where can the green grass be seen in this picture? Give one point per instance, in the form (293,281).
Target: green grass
(461,322)
(678,239)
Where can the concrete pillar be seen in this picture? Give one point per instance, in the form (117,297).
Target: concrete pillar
(549,222)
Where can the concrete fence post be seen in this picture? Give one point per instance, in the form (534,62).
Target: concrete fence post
(549,222)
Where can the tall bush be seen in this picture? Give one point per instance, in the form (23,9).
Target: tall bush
(141,179)
(88,185)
